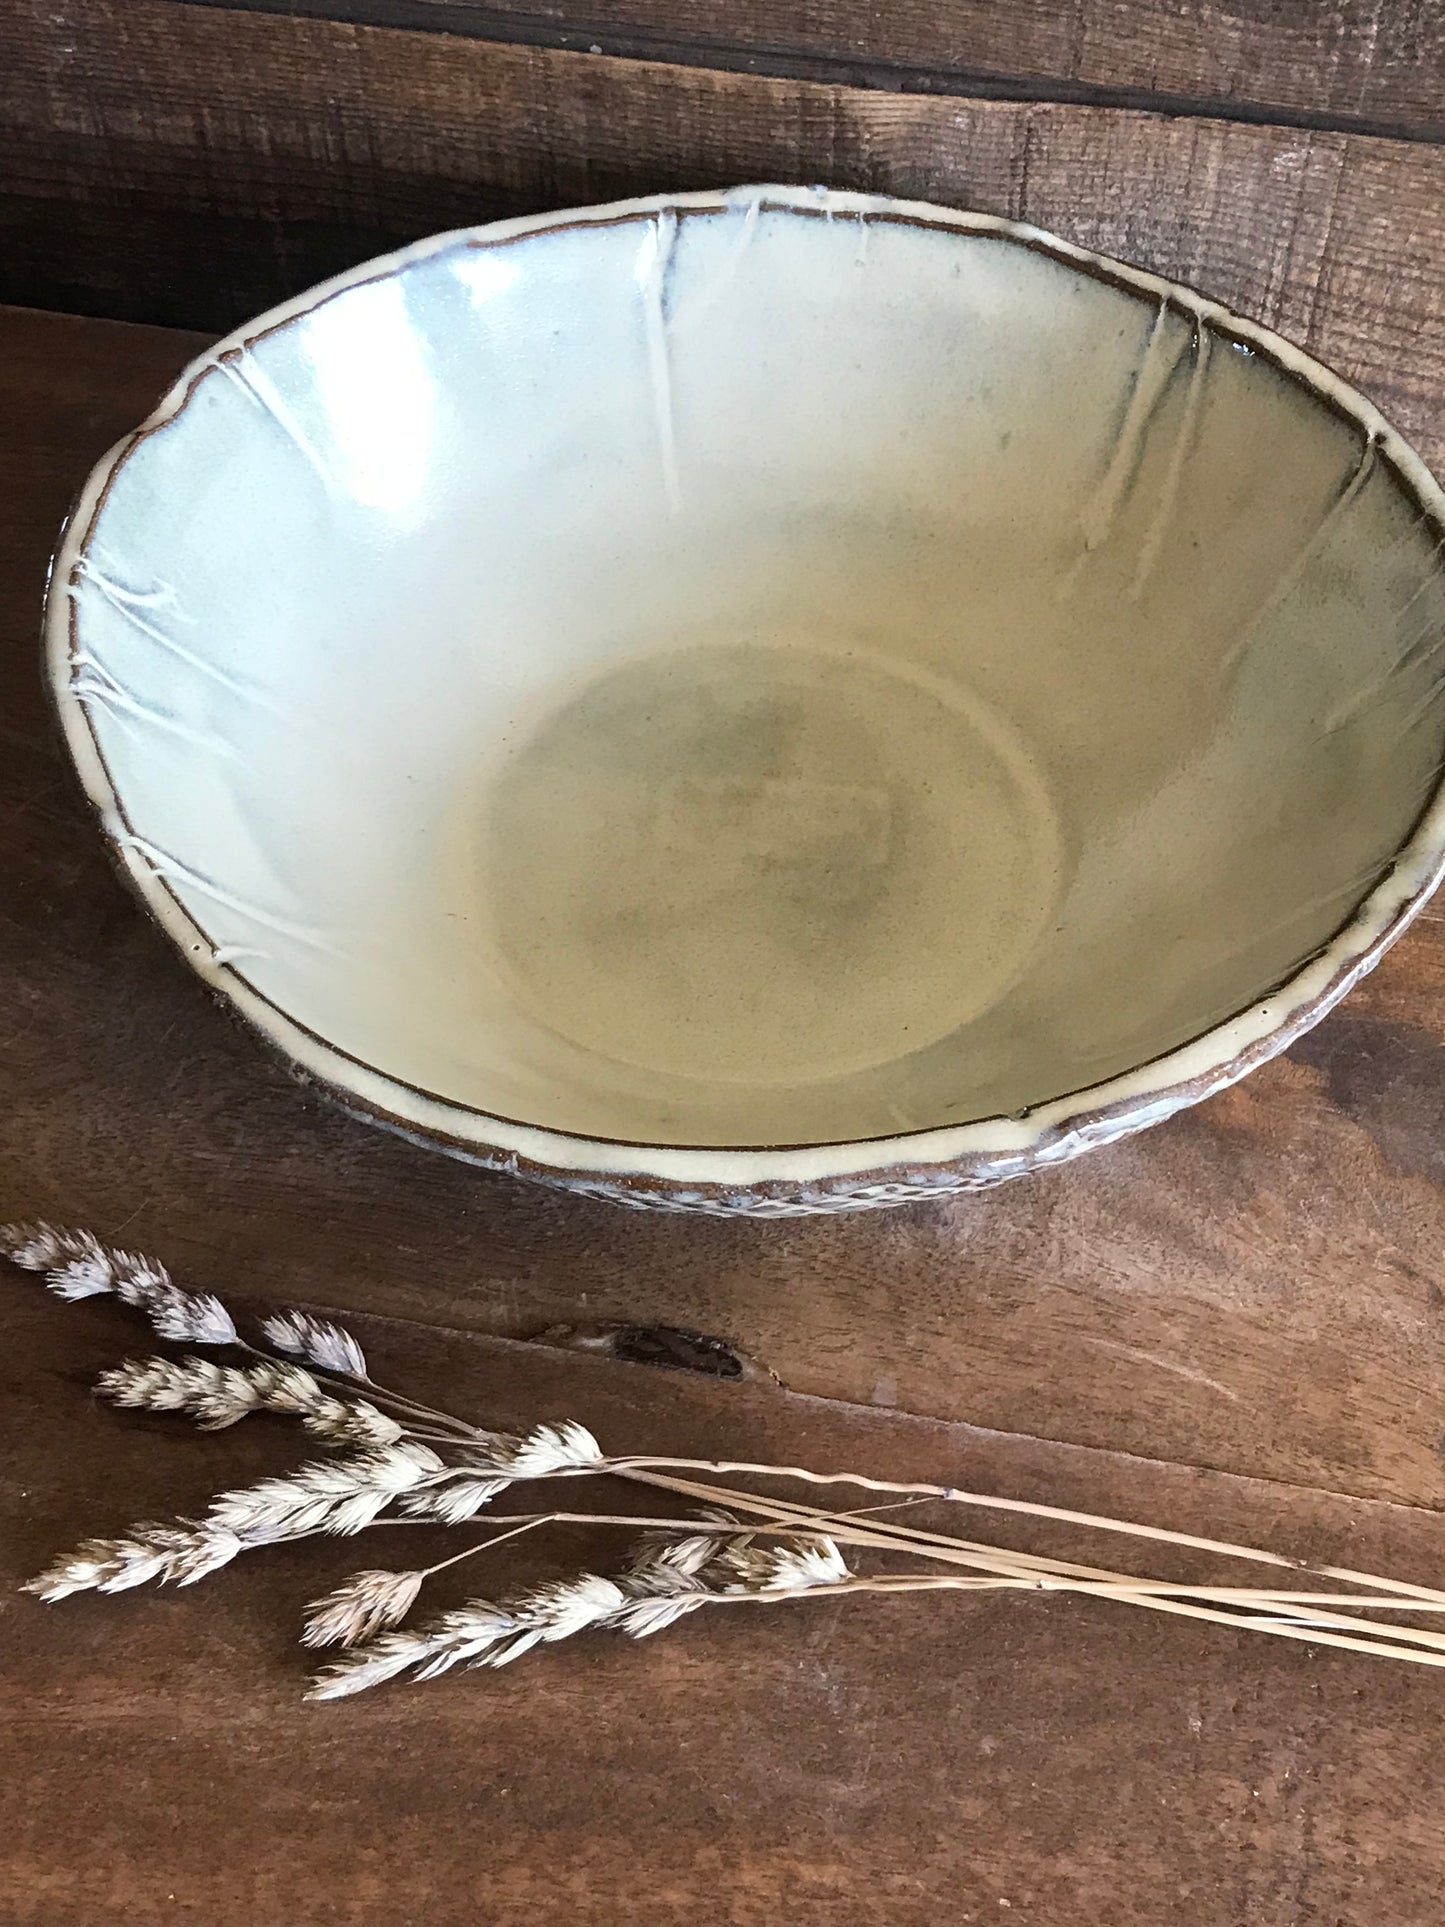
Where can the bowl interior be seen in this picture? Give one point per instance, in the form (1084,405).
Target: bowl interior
(759,674)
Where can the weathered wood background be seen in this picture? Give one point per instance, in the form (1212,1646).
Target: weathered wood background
(1237,1320)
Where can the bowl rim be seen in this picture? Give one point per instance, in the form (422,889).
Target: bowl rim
(948,1157)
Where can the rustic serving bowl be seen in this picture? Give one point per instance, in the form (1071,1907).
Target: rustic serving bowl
(765,701)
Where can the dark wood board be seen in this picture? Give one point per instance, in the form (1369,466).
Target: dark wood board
(1353,64)
(1257,1286)
(192,165)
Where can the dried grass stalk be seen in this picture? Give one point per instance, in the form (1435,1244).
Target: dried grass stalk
(404,1463)
(655,1591)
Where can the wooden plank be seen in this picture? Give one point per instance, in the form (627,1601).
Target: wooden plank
(829,1763)
(195,165)
(1343,63)
(1256,1286)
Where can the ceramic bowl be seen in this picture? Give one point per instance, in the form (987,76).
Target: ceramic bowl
(763,701)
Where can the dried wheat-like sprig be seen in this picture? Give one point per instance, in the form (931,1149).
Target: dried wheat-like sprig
(329,1495)
(217,1396)
(453,1501)
(214,1395)
(489,1467)
(564,1447)
(340,1421)
(655,1591)
(812,1561)
(362,1606)
(421,1466)
(316,1340)
(180,1552)
(340,1496)
(77,1265)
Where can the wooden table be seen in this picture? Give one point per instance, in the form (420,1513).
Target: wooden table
(1234,1324)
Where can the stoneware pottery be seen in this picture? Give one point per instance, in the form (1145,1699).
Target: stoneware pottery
(766,701)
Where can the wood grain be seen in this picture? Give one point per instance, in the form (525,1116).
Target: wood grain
(192,165)
(1344,63)
(1257,1286)
(829,1764)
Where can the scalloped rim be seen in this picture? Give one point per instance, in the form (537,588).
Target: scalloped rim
(942,1159)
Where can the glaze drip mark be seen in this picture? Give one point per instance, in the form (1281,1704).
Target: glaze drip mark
(92,683)
(129,605)
(1183,442)
(687,312)
(172,870)
(1425,706)
(1421,649)
(1432,576)
(258,388)
(90,565)
(1156,365)
(232,953)
(1324,528)
(654,267)
(1418,657)
(750,225)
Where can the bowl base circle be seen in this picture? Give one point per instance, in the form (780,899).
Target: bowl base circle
(767,861)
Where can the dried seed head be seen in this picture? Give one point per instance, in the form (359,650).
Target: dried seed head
(663,1558)
(566,1606)
(77,1265)
(38,1247)
(342,1421)
(478,1634)
(316,1340)
(362,1606)
(473,1634)
(329,1495)
(351,1422)
(180,1553)
(137,1281)
(549,1612)
(190,1317)
(564,1447)
(484,1633)
(286,1387)
(218,1395)
(379,1660)
(453,1500)
(812,1562)
(800,1562)
(85,1274)
(214,1395)
(641,1617)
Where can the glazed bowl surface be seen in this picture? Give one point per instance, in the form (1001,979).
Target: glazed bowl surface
(763,701)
